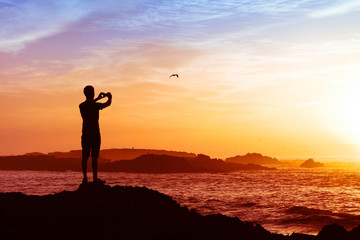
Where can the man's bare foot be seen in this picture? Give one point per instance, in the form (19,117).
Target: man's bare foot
(84,181)
(98,180)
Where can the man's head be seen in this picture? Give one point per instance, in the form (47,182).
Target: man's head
(89,92)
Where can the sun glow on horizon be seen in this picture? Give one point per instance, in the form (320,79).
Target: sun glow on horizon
(346,114)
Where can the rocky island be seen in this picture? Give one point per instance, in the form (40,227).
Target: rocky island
(310,163)
(254,158)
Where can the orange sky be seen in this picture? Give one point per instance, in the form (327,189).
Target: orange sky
(266,77)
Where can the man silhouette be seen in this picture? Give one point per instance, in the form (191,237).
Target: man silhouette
(90,139)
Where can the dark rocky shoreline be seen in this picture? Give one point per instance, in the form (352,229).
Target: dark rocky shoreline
(96,211)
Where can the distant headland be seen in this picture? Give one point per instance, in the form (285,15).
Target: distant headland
(127,160)
(158,161)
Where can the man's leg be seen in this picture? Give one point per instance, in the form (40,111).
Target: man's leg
(84,167)
(95,167)
(85,157)
(95,151)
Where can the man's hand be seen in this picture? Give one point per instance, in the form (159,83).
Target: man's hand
(101,95)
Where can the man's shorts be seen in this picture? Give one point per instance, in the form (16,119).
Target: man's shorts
(90,143)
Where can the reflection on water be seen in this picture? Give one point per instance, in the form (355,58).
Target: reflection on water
(284,201)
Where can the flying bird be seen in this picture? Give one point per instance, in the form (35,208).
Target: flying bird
(174,75)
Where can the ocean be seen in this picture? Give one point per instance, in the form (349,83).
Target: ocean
(282,201)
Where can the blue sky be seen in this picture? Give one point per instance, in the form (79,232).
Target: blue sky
(28,21)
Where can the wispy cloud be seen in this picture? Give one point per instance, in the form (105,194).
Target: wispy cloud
(232,56)
(186,15)
(341,7)
(28,21)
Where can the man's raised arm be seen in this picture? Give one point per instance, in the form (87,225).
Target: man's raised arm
(108,102)
(102,95)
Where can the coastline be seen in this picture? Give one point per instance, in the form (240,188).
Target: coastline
(121,212)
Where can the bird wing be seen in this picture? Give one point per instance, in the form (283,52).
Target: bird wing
(174,75)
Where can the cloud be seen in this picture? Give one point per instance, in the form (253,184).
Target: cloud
(342,7)
(28,21)
(155,14)
(240,57)
(23,22)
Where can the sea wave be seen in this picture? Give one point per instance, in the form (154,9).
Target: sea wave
(318,217)
(307,211)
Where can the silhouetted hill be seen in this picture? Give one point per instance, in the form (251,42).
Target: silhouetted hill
(127,153)
(254,158)
(34,154)
(39,163)
(310,163)
(151,163)
(219,165)
(74,154)
(122,154)
(102,212)
(70,154)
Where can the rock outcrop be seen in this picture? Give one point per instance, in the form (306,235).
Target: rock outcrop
(253,158)
(97,211)
(310,163)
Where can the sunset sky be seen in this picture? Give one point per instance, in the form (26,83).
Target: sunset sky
(278,77)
